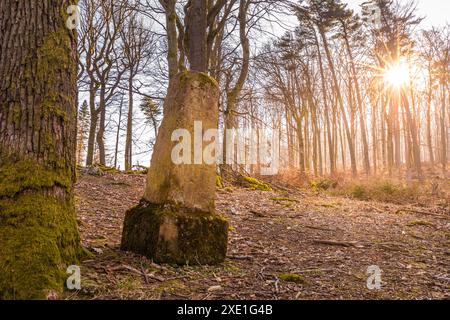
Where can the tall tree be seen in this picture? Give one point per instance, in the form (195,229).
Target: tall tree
(325,15)
(102,69)
(82,131)
(137,49)
(152,113)
(176,220)
(38,93)
(351,25)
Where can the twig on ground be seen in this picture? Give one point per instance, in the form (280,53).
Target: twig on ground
(339,243)
(249,258)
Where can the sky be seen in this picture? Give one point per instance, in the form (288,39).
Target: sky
(436,11)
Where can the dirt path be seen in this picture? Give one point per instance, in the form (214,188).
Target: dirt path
(282,246)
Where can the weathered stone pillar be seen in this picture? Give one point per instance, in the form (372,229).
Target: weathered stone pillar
(176,220)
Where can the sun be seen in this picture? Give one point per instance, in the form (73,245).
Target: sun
(397,74)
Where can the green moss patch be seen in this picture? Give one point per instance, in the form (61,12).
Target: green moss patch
(17,176)
(255,184)
(291,277)
(174,235)
(38,230)
(219,183)
(38,239)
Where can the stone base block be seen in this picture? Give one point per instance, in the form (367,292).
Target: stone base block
(175,236)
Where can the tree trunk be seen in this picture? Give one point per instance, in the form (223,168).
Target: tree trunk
(172,38)
(374,137)
(414,136)
(301,146)
(129,140)
(429,134)
(197,25)
(38,76)
(390,136)
(443,131)
(101,129)
(233,95)
(92,127)
(118,133)
(176,221)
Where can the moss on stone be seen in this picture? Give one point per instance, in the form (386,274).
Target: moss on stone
(324,184)
(175,235)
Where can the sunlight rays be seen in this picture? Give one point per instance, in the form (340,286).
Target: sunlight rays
(397,75)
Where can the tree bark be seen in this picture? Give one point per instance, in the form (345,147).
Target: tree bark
(38,92)
(101,128)
(196,33)
(429,134)
(172,37)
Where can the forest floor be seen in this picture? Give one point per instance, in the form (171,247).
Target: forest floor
(283,245)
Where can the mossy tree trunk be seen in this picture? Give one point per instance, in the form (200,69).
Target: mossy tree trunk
(176,220)
(38,72)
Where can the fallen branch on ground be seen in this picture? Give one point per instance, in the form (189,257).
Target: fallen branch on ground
(346,244)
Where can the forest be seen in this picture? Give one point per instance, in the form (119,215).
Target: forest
(224,150)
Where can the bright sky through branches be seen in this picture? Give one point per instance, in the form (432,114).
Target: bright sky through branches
(435,11)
